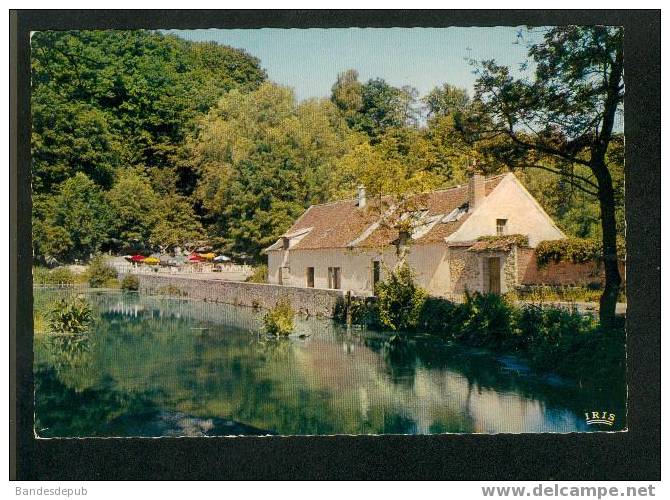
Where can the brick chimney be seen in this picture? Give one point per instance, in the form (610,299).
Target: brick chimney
(476,191)
(361,197)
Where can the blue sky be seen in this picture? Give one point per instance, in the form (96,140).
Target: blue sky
(310,59)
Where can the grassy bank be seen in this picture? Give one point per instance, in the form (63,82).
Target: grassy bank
(543,293)
(97,274)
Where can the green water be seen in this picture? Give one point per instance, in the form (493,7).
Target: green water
(167,367)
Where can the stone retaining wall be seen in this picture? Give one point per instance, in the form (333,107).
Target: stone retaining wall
(310,301)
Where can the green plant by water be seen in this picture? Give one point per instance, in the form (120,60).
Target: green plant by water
(130,283)
(400,300)
(279,321)
(555,339)
(69,317)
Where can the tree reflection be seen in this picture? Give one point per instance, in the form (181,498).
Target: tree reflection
(198,368)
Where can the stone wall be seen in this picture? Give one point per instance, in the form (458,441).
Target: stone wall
(465,271)
(310,301)
(510,270)
(561,273)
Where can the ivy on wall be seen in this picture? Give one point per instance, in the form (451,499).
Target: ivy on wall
(500,243)
(575,250)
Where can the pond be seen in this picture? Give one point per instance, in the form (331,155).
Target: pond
(158,366)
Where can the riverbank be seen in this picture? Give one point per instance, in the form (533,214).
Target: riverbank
(556,340)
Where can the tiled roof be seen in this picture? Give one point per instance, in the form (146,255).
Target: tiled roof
(333,225)
(343,224)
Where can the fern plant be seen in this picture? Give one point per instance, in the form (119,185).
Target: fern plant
(70,317)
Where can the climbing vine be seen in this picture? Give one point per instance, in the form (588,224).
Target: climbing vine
(500,242)
(575,250)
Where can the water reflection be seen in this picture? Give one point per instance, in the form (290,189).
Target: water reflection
(160,366)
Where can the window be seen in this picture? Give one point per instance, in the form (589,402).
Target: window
(501,225)
(310,277)
(285,243)
(376,273)
(334,278)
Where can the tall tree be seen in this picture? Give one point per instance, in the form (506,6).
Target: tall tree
(375,106)
(177,225)
(563,120)
(385,107)
(262,159)
(347,95)
(446,100)
(103,102)
(136,208)
(73,223)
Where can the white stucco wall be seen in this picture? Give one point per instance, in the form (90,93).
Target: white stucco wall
(355,267)
(431,265)
(429,262)
(511,201)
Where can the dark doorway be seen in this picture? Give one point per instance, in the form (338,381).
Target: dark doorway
(284,272)
(310,277)
(334,278)
(494,274)
(376,273)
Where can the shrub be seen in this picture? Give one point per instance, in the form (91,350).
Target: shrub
(260,275)
(57,276)
(572,344)
(278,321)
(362,311)
(400,300)
(485,319)
(70,317)
(62,276)
(130,283)
(40,275)
(100,273)
(440,315)
(551,339)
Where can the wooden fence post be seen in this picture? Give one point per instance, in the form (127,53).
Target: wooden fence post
(348,308)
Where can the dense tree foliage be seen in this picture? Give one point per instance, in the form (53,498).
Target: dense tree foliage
(74,222)
(374,107)
(446,100)
(106,101)
(103,99)
(262,158)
